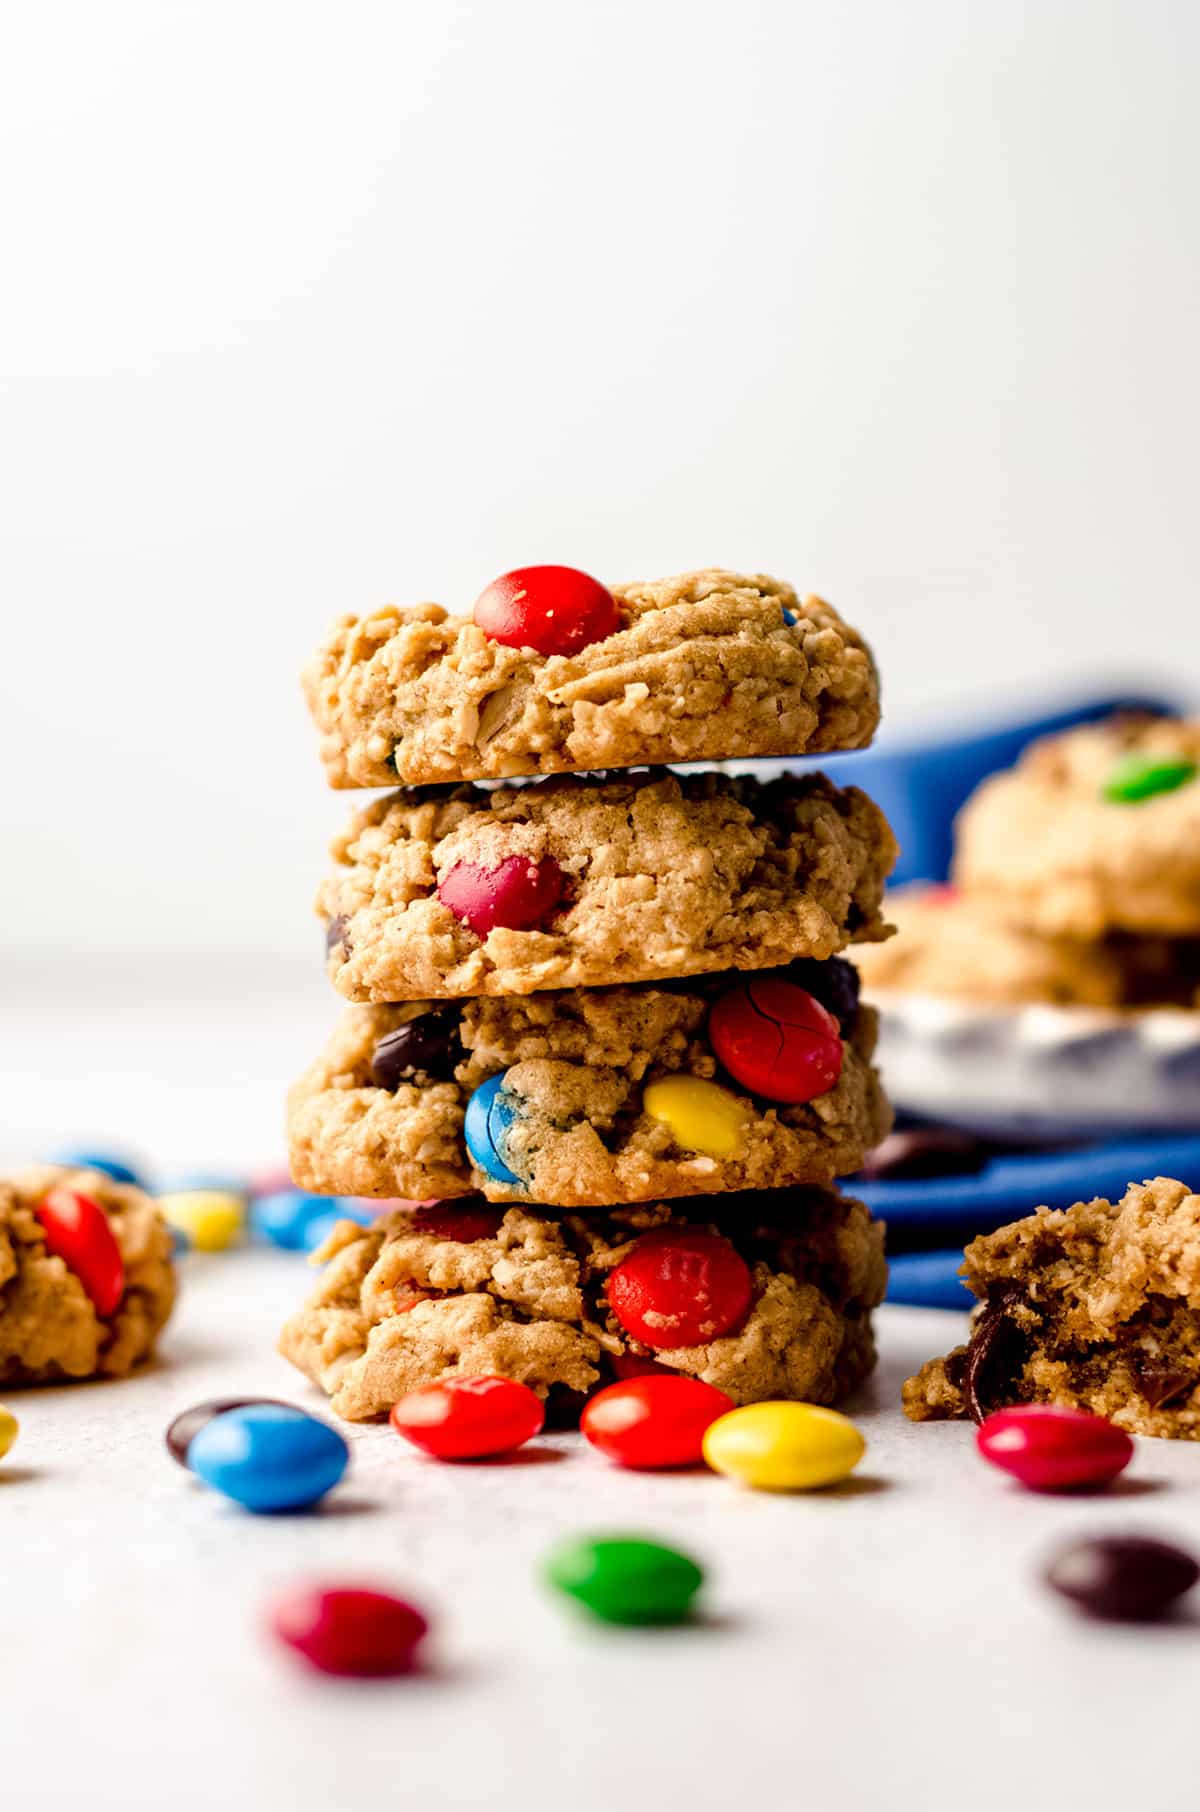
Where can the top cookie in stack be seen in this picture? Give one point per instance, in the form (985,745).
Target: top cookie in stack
(599,987)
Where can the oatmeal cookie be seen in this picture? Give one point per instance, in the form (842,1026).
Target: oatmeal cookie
(1092,1307)
(50,1329)
(704,667)
(586,882)
(464,1289)
(1094,831)
(590,1097)
(958,945)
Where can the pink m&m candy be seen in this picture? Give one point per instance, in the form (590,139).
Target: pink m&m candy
(1052,1449)
(517,895)
(776,1040)
(553,609)
(349,1630)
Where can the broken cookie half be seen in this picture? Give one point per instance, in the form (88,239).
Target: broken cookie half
(1093,1307)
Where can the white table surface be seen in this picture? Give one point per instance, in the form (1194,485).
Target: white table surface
(885,1645)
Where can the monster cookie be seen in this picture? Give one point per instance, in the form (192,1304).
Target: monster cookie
(581,883)
(1093,1307)
(85,1276)
(764,1295)
(1094,831)
(597,1096)
(956,944)
(554,673)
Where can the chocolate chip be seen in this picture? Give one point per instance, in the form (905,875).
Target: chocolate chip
(994,1358)
(834,983)
(1163,1384)
(335,934)
(428,1045)
(1129,1577)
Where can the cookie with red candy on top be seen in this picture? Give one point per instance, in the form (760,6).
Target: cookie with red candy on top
(555,671)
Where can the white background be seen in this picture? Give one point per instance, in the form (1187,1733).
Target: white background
(308,307)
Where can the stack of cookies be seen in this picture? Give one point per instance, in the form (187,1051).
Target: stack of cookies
(602,1041)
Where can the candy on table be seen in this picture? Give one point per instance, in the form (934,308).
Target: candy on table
(283,1217)
(1054,1449)
(184,1427)
(349,1630)
(776,1039)
(9,1429)
(784,1446)
(210,1219)
(701,1115)
(317,1230)
(269,1458)
(517,895)
(489,1115)
(654,1421)
(625,1578)
(469,1418)
(551,609)
(1132,1578)
(76,1229)
(107,1163)
(1139,777)
(270,1181)
(680,1289)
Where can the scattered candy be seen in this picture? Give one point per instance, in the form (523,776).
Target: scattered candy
(212,1219)
(553,609)
(1140,777)
(654,1421)
(624,1579)
(317,1230)
(188,1423)
(76,1229)
(284,1218)
(469,1418)
(680,1289)
(1053,1449)
(466,1221)
(784,1446)
(1129,1577)
(350,1631)
(104,1162)
(9,1429)
(489,1115)
(428,1045)
(776,1039)
(269,1458)
(269,1182)
(702,1115)
(517,895)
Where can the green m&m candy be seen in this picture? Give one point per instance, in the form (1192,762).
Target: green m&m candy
(1140,777)
(624,1578)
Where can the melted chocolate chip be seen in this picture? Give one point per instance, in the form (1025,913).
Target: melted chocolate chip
(429,1046)
(1130,1577)
(335,934)
(834,983)
(994,1357)
(1163,1384)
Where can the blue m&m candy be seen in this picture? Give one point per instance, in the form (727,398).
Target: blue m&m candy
(269,1458)
(284,1217)
(489,1115)
(317,1230)
(105,1162)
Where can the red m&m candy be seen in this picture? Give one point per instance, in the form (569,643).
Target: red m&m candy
(775,1039)
(76,1229)
(1052,1449)
(680,1289)
(653,1421)
(469,1418)
(517,895)
(553,609)
(465,1221)
(349,1630)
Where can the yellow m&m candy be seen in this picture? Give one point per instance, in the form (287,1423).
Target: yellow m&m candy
(8,1430)
(784,1446)
(211,1219)
(703,1116)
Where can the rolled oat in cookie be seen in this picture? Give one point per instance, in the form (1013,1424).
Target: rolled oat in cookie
(422,1296)
(582,882)
(708,666)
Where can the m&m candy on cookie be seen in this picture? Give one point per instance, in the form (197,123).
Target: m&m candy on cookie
(776,1039)
(551,609)
(517,895)
(680,1289)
